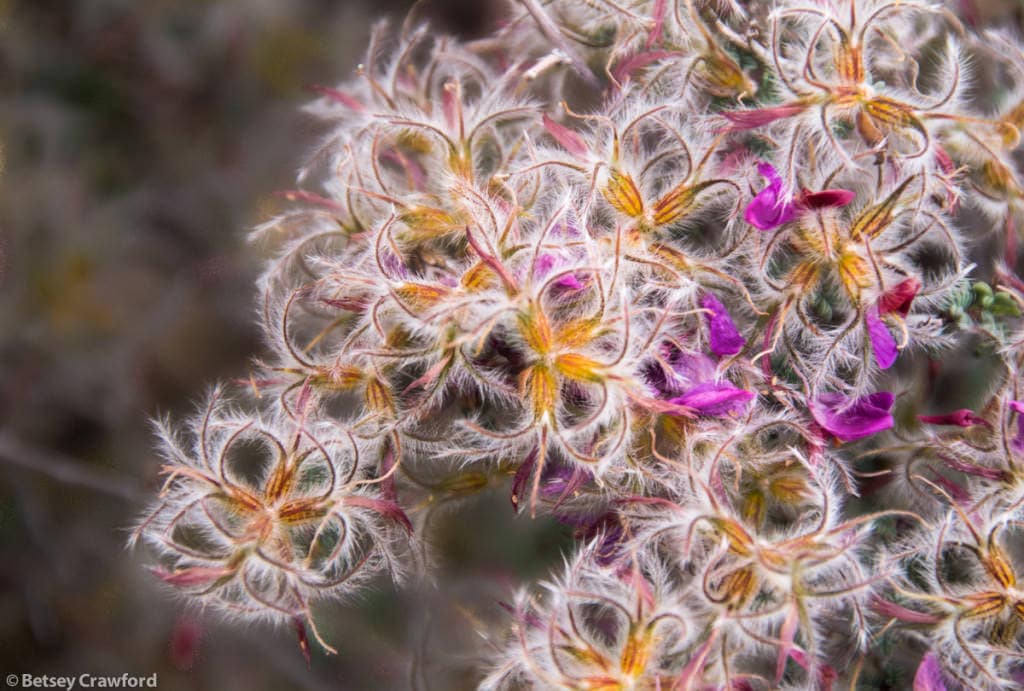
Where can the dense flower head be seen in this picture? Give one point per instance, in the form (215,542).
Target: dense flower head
(262,517)
(690,277)
(598,628)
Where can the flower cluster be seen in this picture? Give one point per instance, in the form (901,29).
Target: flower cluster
(677,273)
(261,517)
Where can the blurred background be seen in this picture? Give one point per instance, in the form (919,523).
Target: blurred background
(139,141)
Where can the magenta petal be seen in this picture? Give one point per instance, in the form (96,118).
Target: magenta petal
(567,138)
(961,418)
(770,208)
(688,370)
(521,478)
(725,339)
(765,212)
(847,420)
(768,172)
(715,400)
(750,119)
(546,262)
(692,674)
(350,102)
(882,341)
(561,481)
(901,613)
(944,160)
(570,228)
(658,23)
(604,532)
(1017,443)
(627,67)
(192,576)
(899,298)
(542,267)
(955,490)
(383,507)
(569,282)
(825,199)
(929,674)
(786,635)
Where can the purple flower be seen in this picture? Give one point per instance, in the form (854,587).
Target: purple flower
(882,341)
(1017,443)
(847,419)
(725,339)
(773,206)
(715,399)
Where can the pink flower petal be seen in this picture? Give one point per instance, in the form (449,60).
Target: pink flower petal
(660,407)
(627,67)
(186,638)
(772,206)
(716,400)
(910,616)
(303,196)
(944,160)
(825,199)
(786,635)
(961,418)
(303,640)
(956,491)
(687,370)
(694,670)
(387,509)
(450,104)
(195,575)
(525,617)
(882,342)
(1017,443)
(413,170)
(724,337)
(559,481)
(899,298)
(522,476)
(751,119)
(569,140)
(546,262)
(929,674)
(658,22)
(350,102)
(387,487)
(968,468)
(848,420)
